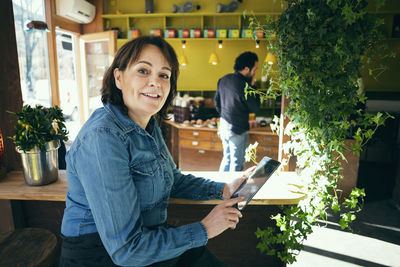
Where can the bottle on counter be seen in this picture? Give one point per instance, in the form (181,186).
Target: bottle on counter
(177,108)
(193,109)
(185,113)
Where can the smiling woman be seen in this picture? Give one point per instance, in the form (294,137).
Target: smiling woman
(120,155)
(145,84)
(135,60)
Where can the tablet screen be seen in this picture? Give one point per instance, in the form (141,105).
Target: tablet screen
(256,180)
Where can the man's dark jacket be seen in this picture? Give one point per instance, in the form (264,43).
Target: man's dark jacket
(231,103)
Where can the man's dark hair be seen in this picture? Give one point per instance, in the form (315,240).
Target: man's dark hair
(128,54)
(246,59)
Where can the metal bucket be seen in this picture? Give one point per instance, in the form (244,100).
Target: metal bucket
(41,167)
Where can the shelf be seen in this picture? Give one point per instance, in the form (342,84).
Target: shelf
(215,39)
(146,22)
(199,49)
(192,14)
(122,41)
(203,39)
(153,15)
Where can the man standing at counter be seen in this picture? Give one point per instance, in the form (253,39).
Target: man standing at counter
(234,110)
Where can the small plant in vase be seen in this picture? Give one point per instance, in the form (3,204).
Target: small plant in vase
(37,136)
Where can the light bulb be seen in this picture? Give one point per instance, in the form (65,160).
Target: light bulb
(183,44)
(257,43)
(219,43)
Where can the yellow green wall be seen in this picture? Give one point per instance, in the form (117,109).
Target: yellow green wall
(199,74)
(389,80)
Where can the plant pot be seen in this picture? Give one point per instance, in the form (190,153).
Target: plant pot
(41,167)
(349,171)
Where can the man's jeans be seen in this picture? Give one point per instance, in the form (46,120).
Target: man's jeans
(234,146)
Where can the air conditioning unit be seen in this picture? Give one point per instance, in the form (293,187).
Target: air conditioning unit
(80,11)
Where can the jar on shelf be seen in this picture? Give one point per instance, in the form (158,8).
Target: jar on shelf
(233,33)
(195,33)
(184,33)
(221,33)
(246,33)
(133,33)
(156,32)
(209,33)
(170,33)
(259,33)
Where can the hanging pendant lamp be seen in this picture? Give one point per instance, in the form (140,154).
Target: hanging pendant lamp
(270,59)
(214,60)
(183,60)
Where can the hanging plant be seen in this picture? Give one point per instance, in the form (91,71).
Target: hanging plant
(321,45)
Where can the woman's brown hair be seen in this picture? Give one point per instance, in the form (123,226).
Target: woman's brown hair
(128,54)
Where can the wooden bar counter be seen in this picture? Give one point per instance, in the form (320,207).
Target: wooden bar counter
(43,206)
(279,189)
(200,148)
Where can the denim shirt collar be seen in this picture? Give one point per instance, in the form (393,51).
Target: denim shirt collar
(126,123)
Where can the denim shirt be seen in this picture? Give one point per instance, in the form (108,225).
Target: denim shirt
(120,178)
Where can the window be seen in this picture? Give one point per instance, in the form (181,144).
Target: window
(32,53)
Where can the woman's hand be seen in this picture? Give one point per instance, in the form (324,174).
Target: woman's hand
(222,217)
(230,188)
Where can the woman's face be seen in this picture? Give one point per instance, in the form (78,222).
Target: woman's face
(145,84)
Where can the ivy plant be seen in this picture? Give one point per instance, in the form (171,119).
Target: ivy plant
(38,125)
(320,45)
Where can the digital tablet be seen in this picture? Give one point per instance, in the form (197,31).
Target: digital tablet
(264,170)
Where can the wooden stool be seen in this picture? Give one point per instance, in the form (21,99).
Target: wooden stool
(27,247)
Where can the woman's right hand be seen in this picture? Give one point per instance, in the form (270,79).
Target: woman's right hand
(222,217)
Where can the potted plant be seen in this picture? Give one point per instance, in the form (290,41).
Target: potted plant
(320,45)
(37,136)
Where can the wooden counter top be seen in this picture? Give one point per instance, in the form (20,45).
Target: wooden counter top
(13,186)
(257,130)
(278,190)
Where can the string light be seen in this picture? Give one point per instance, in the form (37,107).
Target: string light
(183,59)
(214,60)
(219,43)
(257,43)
